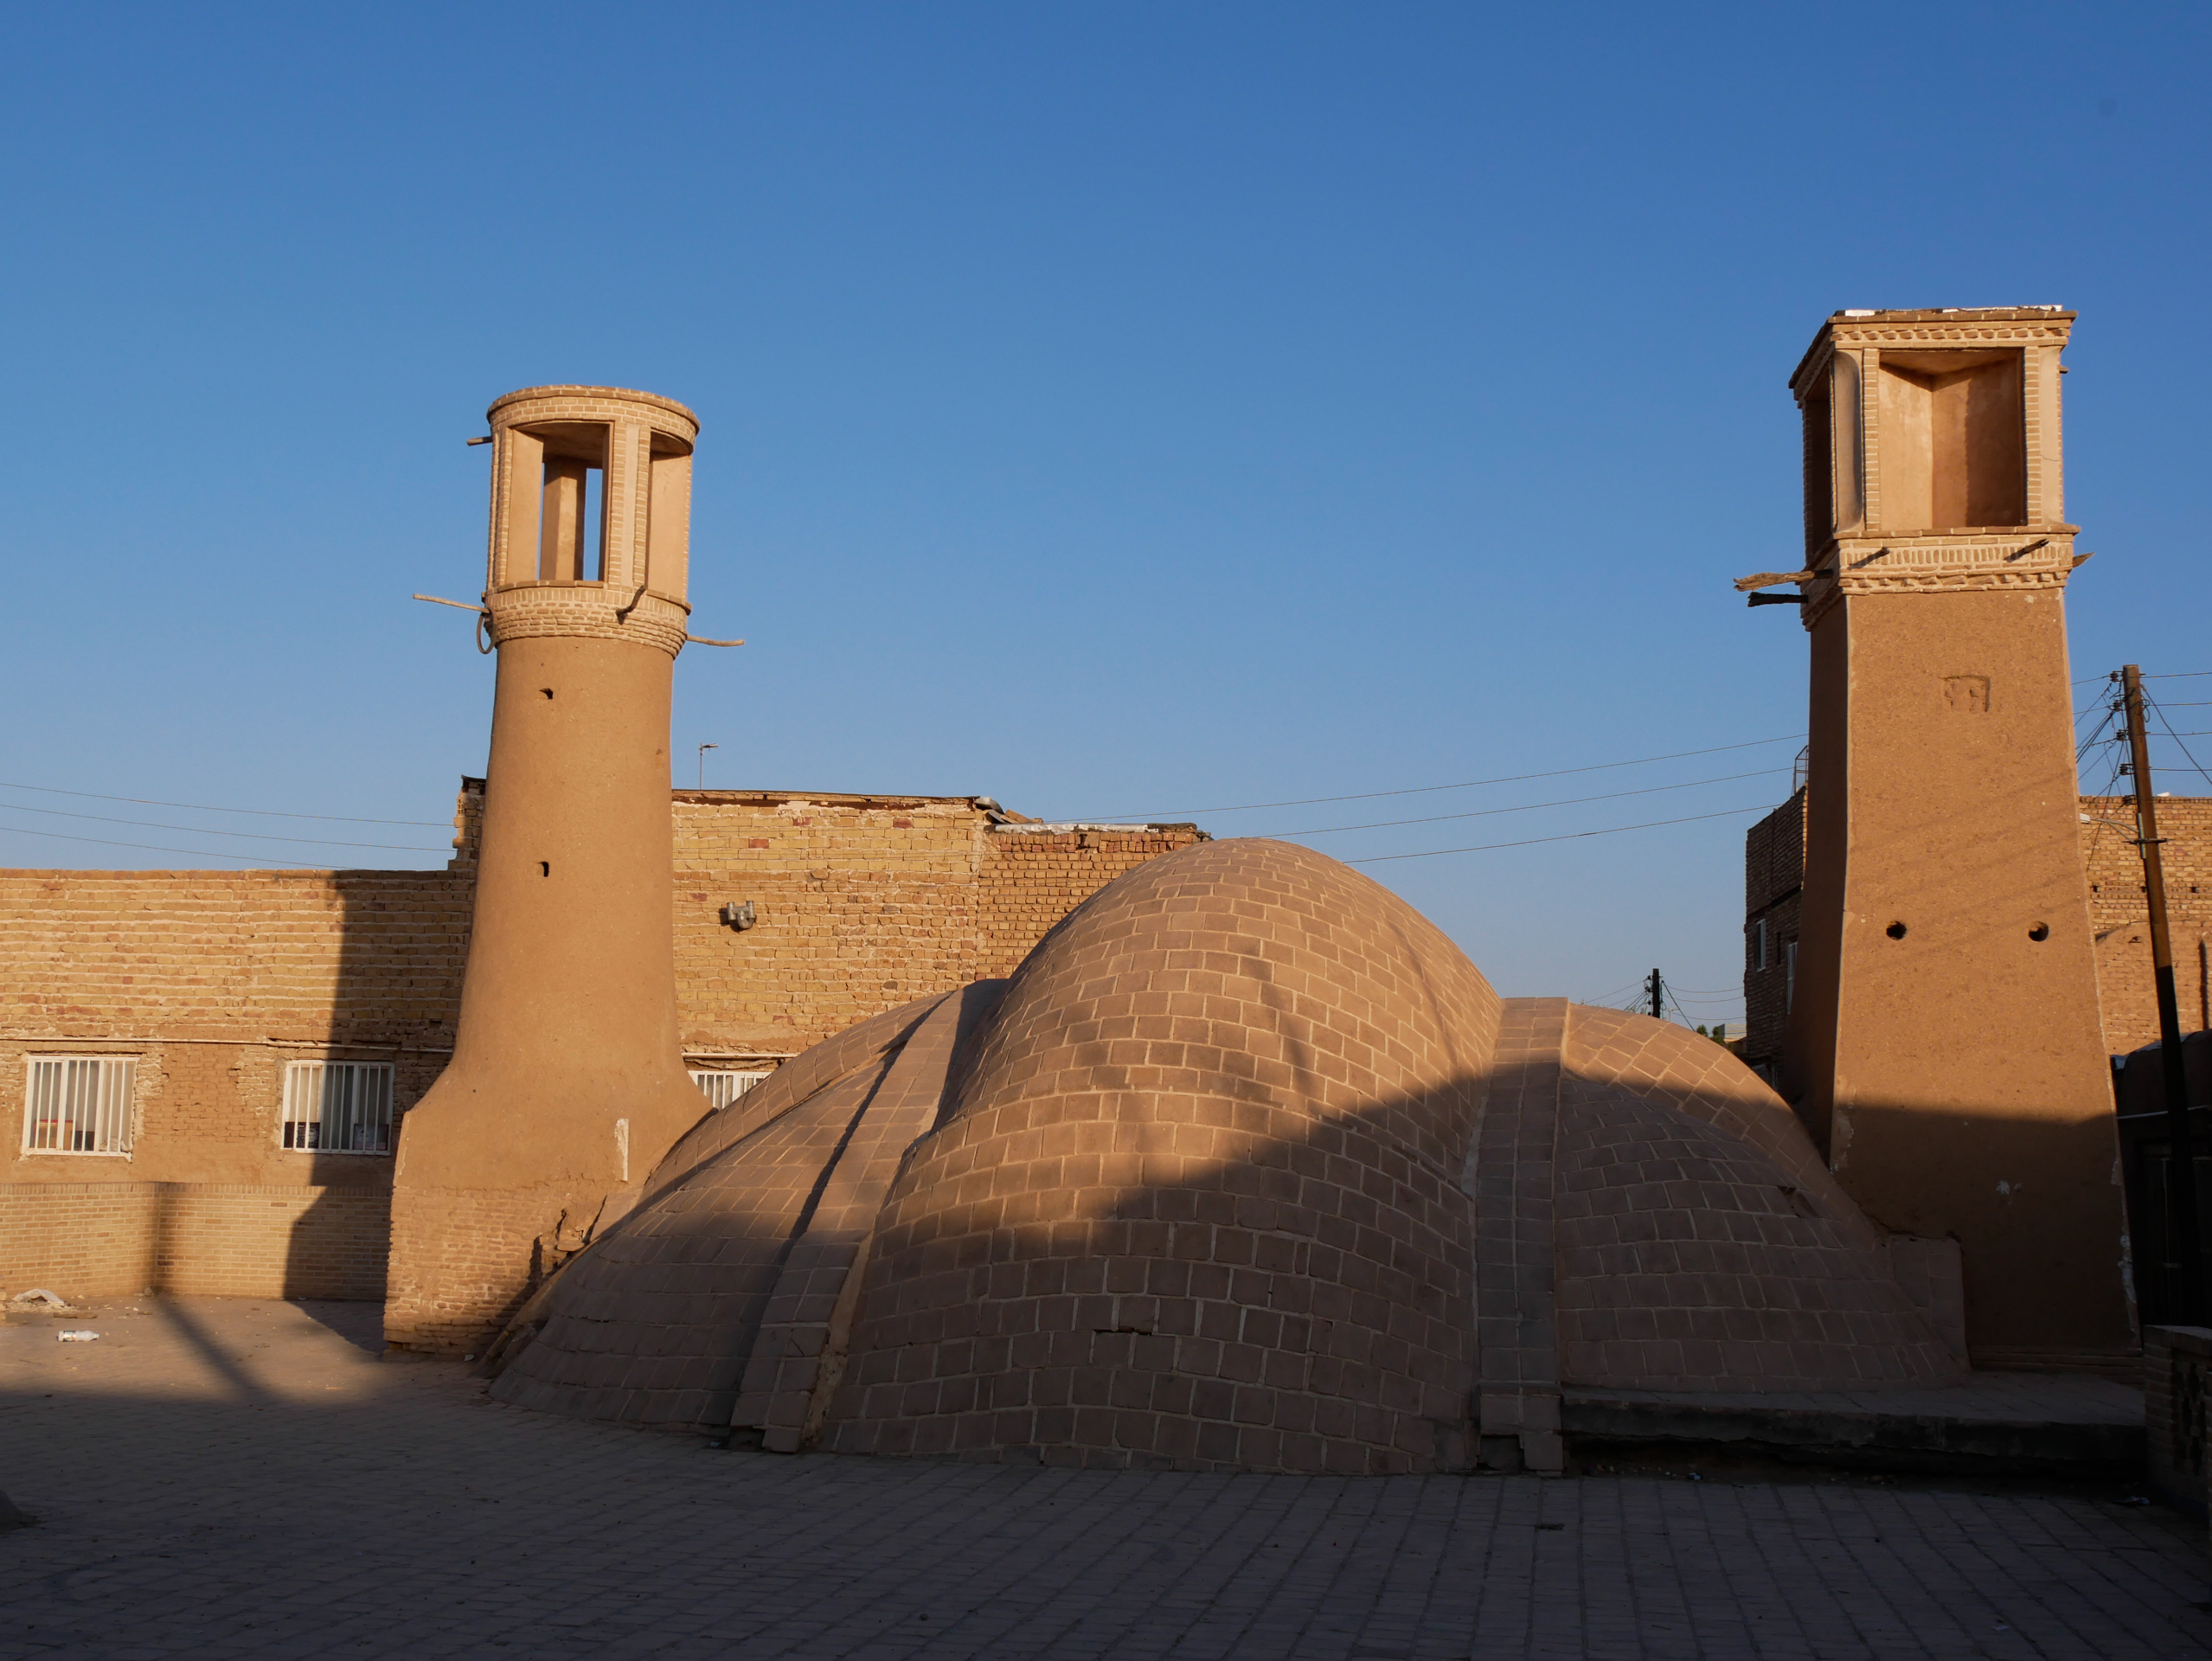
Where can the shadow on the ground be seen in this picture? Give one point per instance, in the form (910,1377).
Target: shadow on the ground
(361,1325)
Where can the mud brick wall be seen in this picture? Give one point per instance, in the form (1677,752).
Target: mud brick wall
(1774,882)
(1033,876)
(2120,919)
(2176,1370)
(864,903)
(1774,874)
(118,1239)
(861,905)
(215,980)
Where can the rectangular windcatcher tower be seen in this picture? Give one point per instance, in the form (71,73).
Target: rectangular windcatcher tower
(1944,1045)
(568,1081)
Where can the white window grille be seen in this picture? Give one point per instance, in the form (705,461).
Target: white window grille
(338,1106)
(79,1104)
(721,1087)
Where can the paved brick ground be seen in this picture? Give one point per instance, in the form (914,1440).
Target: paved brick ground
(245,1479)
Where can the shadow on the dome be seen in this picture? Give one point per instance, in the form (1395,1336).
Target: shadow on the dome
(1246,1168)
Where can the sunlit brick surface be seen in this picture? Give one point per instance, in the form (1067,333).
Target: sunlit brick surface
(1246,1168)
(1196,1203)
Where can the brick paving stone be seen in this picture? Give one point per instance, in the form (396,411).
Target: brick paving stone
(246,1477)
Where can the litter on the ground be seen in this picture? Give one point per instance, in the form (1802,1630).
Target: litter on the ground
(83,1336)
(39,1298)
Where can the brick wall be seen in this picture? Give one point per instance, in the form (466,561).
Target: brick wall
(864,903)
(1773,881)
(2177,1368)
(2120,919)
(1773,873)
(117,1239)
(215,979)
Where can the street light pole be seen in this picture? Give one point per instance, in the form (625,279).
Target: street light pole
(704,748)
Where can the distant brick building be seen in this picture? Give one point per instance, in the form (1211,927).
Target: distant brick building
(167,1038)
(1773,890)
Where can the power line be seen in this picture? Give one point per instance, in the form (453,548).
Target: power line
(2177,737)
(1422,790)
(1571,836)
(1570,801)
(207,830)
(198,853)
(198,807)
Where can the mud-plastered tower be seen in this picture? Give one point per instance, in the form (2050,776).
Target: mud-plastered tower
(568,1081)
(1944,1045)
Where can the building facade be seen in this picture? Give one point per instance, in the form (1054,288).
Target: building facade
(209,1072)
(1773,880)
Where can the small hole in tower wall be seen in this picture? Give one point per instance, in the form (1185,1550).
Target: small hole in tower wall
(2040,932)
(547,691)
(1895,931)
(545,868)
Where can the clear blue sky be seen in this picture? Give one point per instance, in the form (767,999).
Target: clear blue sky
(1114,410)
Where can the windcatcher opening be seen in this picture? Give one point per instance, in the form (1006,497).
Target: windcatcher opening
(1954,452)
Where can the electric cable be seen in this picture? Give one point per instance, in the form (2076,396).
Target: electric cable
(1532,807)
(207,830)
(1570,836)
(2177,737)
(197,807)
(1422,790)
(197,853)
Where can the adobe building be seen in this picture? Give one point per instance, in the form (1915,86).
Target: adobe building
(217,1004)
(213,1070)
(1244,1167)
(2127,1006)
(1943,1045)
(1238,1164)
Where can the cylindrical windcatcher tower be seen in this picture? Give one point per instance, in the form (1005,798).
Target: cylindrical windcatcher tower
(568,1081)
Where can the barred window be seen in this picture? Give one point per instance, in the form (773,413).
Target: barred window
(721,1087)
(79,1104)
(338,1106)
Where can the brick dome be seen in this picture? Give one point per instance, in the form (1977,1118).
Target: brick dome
(1196,1199)
(1246,1167)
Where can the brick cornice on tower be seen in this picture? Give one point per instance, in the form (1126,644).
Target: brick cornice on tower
(537,583)
(1875,524)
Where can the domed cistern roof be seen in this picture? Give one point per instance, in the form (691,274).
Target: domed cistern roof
(1246,1167)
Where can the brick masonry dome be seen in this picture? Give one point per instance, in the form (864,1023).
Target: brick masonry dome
(1242,1168)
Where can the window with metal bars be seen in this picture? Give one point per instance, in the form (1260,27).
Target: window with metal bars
(721,1087)
(79,1104)
(338,1106)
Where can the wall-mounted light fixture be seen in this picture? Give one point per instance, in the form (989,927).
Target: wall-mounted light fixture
(738,913)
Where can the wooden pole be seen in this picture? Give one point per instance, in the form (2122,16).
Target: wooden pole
(2183,1233)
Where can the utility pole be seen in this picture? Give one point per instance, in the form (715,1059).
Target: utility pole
(2183,1233)
(1658,989)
